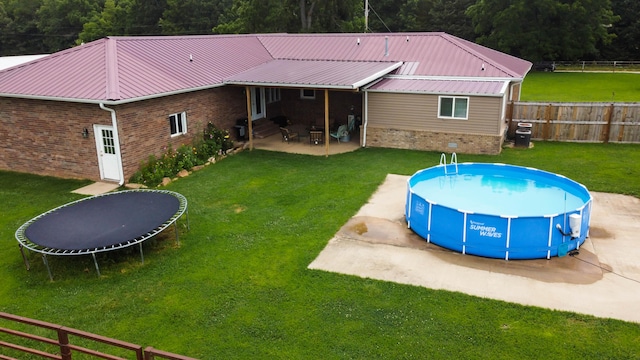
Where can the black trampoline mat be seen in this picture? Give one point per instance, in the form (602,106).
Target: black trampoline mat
(103,221)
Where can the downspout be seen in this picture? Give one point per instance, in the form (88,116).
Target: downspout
(366,118)
(116,141)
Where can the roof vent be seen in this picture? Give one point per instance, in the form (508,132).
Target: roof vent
(191,57)
(482,66)
(358,43)
(386,46)
(407,38)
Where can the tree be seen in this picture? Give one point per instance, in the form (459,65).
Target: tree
(144,16)
(62,20)
(626,44)
(112,20)
(258,16)
(383,16)
(450,16)
(192,16)
(306,13)
(292,16)
(336,16)
(20,34)
(542,29)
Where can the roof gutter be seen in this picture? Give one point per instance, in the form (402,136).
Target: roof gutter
(293,85)
(116,141)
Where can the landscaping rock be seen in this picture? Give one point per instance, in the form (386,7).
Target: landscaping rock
(135,186)
(183,173)
(197,167)
(165,181)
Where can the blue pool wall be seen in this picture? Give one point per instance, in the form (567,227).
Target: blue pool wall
(496,235)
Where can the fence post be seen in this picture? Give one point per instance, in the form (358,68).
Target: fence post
(546,130)
(509,115)
(607,129)
(63,341)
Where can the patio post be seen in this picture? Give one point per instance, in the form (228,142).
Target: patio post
(247,91)
(326,122)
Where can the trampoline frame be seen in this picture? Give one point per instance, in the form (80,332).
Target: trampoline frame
(24,242)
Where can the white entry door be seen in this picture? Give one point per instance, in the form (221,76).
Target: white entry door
(107,152)
(258,105)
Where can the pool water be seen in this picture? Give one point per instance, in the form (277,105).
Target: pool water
(497,194)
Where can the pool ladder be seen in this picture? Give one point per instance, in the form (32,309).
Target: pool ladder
(454,161)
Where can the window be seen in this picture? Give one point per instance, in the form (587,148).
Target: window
(307,94)
(453,107)
(273,95)
(178,123)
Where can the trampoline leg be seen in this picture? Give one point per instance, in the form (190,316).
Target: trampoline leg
(141,253)
(24,257)
(46,264)
(175,224)
(187,211)
(96,263)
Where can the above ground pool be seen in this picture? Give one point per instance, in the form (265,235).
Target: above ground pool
(498,211)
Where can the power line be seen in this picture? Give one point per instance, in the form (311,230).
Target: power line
(379,18)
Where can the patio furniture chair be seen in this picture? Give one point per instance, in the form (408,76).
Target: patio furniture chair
(315,137)
(287,135)
(351,123)
(341,133)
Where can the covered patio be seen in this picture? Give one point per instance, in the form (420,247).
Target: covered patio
(314,80)
(304,146)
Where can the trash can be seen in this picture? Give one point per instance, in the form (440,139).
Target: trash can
(241,128)
(523,138)
(240,132)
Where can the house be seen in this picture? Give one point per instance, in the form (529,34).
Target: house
(96,111)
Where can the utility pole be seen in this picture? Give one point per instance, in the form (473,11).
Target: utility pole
(366,16)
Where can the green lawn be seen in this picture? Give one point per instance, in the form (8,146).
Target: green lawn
(581,87)
(238,287)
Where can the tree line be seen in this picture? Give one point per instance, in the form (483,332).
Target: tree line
(536,30)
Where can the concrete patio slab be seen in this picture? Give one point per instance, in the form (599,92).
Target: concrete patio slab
(96,188)
(603,280)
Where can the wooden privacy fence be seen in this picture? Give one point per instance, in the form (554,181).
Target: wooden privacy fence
(588,122)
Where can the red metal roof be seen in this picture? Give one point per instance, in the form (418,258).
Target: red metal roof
(441,86)
(434,54)
(121,69)
(314,73)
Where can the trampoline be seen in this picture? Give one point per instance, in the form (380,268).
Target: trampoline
(101,223)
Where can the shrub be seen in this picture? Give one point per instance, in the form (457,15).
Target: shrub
(214,142)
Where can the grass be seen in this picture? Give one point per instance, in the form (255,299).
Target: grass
(581,87)
(238,287)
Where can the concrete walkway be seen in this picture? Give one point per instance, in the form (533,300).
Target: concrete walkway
(96,188)
(603,280)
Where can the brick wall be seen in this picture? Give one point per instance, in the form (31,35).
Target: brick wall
(144,126)
(45,137)
(311,111)
(434,141)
